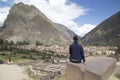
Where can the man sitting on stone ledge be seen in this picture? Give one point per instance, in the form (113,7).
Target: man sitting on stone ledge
(76,51)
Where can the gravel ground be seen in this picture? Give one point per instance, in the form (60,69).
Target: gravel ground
(116,73)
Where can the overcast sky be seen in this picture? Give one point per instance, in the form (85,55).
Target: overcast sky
(81,16)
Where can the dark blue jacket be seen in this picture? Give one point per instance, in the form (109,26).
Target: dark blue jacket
(76,52)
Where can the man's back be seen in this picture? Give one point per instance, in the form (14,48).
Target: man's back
(76,52)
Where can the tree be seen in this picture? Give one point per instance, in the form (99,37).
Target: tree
(11,43)
(38,43)
(1,41)
(6,42)
(23,43)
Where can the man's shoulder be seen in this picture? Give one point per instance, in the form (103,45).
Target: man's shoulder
(72,44)
(80,45)
(75,44)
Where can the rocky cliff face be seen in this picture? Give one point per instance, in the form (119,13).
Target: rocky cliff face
(104,34)
(27,23)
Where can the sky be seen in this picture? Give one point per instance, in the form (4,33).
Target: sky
(81,16)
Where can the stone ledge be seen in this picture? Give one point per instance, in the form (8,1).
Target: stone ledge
(96,68)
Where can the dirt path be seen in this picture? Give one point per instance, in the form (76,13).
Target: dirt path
(12,72)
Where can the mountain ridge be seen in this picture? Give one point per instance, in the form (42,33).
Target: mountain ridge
(105,33)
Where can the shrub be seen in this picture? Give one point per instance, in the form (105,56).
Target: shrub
(1,41)
(23,43)
(38,43)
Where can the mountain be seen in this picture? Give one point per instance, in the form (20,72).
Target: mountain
(105,33)
(27,23)
(67,32)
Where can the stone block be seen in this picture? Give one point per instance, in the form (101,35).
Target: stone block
(96,68)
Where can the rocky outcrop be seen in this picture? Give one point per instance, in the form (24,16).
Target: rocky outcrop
(26,23)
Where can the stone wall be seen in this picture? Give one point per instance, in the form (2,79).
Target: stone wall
(118,42)
(96,68)
(117,54)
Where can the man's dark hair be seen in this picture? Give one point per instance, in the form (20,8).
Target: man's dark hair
(75,38)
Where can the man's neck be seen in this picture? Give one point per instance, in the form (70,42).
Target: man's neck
(75,42)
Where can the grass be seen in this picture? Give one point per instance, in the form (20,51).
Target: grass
(31,74)
(16,58)
(18,54)
(62,77)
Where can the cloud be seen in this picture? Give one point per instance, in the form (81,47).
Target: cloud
(3,14)
(85,29)
(4,0)
(59,11)
(82,30)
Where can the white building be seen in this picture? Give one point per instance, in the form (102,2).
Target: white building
(110,52)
